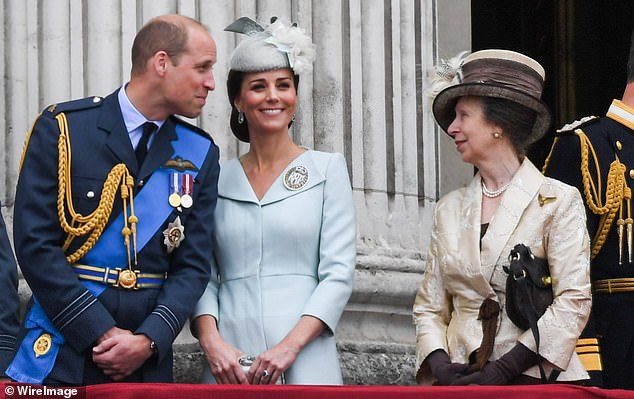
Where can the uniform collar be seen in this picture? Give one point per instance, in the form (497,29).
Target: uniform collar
(132,118)
(621,113)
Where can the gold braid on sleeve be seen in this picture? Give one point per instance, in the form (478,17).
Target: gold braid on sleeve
(616,192)
(95,222)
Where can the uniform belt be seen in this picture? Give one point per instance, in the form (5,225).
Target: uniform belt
(613,285)
(120,277)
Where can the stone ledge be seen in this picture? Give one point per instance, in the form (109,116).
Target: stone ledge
(362,363)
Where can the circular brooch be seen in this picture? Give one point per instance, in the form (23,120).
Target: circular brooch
(296,178)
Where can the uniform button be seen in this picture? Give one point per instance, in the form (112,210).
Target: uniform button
(141,183)
(96,99)
(619,146)
(631,173)
(90,194)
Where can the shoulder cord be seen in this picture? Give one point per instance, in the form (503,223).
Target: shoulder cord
(550,153)
(616,192)
(96,221)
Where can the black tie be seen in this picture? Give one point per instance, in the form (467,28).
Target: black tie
(141,148)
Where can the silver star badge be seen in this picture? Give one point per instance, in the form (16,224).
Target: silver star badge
(174,234)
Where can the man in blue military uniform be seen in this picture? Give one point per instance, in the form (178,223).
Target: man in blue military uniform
(113,220)
(9,302)
(597,156)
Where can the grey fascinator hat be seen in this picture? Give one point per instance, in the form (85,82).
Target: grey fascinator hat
(490,73)
(276,46)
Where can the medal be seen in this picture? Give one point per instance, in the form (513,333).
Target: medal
(186,199)
(296,178)
(174,234)
(42,344)
(174,199)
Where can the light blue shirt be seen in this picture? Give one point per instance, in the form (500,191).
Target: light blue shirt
(134,120)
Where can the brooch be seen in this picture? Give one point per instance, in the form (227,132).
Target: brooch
(296,178)
(174,234)
(543,200)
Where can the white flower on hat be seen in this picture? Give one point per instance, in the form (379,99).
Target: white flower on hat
(446,73)
(293,41)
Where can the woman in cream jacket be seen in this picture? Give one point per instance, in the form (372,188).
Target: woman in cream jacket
(492,115)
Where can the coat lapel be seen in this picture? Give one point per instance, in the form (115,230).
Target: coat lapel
(233,182)
(118,141)
(161,149)
(470,226)
(280,191)
(523,189)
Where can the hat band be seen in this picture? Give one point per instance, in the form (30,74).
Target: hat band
(504,73)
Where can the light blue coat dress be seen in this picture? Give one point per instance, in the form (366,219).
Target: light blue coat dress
(290,254)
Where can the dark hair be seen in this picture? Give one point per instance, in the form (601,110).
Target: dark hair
(234,84)
(161,34)
(516,120)
(630,61)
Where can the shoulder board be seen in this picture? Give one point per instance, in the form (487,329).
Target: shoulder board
(571,127)
(190,127)
(74,105)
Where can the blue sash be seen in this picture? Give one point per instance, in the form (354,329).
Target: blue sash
(152,209)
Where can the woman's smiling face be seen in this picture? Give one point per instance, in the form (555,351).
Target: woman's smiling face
(268,100)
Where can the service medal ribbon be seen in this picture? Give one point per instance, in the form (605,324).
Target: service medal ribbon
(188,184)
(174,199)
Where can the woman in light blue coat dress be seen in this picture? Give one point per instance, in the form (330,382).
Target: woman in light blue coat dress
(284,248)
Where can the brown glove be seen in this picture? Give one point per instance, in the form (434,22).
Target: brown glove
(503,370)
(443,370)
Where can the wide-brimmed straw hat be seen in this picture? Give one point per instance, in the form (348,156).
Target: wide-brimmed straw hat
(495,73)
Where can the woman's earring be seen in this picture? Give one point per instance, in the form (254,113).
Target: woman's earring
(240,117)
(293,118)
(497,135)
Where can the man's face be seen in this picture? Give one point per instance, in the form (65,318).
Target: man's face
(190,78)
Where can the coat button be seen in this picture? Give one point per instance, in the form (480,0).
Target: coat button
(141,183)
(90,194)
(631,173)
(619,146)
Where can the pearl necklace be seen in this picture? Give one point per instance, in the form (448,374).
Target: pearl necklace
(495,193)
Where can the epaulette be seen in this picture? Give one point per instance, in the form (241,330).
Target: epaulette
(74,105)
(191,127)
(571,127)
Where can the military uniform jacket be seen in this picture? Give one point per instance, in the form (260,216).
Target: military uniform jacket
(99,141)
(292,253)
(462,271)
(610,139)
(612,317)
(9,301)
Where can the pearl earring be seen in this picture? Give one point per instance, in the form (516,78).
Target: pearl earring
(240,117)
(497,135)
